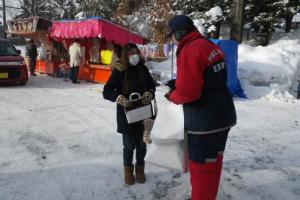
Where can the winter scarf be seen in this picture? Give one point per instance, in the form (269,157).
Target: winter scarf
(134,80)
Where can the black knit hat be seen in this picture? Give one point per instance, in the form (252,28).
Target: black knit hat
(181,23)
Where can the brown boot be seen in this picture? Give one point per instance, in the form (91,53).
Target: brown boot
(128,175)
(140,174)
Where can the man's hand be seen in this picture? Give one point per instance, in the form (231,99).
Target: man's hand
(147,97)
(171,84)
(123,101)
(167,95)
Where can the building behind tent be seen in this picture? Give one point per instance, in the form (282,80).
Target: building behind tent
(296,21)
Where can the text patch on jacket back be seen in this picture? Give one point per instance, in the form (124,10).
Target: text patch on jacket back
(215,76)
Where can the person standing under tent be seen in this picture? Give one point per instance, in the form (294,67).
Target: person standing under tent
(32,53)
(209,111)
(132,77)
(76,56)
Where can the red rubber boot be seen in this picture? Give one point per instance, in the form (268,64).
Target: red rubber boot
(219,171)
(203,180)
(219,167)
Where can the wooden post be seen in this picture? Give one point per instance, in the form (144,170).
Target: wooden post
(236,30)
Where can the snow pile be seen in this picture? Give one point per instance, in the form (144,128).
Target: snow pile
(277,95)
(274,64)
(265,72)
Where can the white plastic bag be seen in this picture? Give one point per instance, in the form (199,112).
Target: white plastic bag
(170,156)
(169,123)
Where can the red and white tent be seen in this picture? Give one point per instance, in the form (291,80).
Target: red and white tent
(94,28)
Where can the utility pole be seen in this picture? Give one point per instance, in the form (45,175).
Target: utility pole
(236,30)
(4,19)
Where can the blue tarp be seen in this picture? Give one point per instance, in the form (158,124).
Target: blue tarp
(230,48)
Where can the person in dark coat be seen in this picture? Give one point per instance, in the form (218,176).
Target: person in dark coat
(32,53)
(209,111)
(136,78)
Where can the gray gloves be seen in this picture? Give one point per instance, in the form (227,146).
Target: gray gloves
(147,97)
(123,101)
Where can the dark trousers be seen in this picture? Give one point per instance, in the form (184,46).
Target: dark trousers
(74,74)
(205,148)
(32,65)
(133,141)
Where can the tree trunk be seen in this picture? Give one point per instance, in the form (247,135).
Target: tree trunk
(211,3)
(236,31)
(288,22)
(33,8)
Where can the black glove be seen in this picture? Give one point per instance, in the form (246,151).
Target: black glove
(171,84)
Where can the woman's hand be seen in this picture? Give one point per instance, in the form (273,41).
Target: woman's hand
(123,101)
(147,97)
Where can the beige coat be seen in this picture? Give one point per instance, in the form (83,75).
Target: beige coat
(75,52)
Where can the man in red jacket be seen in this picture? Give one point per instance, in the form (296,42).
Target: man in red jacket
(209,111)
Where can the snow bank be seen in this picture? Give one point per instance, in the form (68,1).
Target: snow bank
(274,65)
(265,72)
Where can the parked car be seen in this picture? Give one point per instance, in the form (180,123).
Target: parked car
(13,68)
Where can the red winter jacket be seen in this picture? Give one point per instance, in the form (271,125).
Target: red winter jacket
(194,55)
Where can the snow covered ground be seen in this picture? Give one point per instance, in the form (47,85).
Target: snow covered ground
(58,141)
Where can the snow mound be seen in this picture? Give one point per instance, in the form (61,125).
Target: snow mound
(278,95)
(277,63)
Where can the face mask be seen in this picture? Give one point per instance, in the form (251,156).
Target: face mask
(134,59)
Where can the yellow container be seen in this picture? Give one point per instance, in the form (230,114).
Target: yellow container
(106,57)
